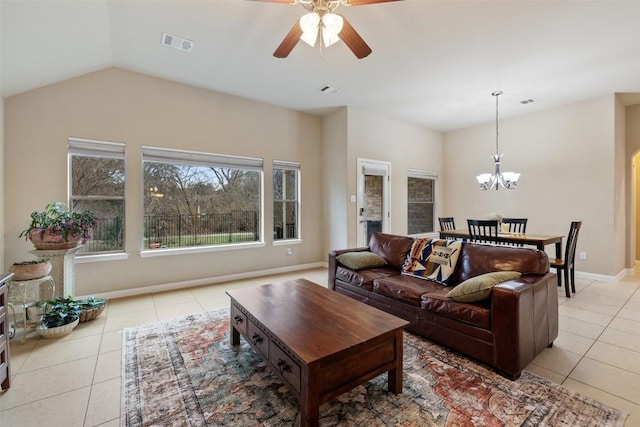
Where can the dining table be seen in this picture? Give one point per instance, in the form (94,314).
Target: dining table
(537,240)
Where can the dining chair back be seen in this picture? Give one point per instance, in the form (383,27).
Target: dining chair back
(483,230)
(566,264)
(447,223)
(516,225)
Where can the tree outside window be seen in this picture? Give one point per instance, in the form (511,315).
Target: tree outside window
(285,201)
(97,176)
(200,199)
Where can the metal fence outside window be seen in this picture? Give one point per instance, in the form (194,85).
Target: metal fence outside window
(175,231)
(107,236)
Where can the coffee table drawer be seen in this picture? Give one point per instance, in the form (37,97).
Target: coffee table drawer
(258,338)
(289,369)
(238,320)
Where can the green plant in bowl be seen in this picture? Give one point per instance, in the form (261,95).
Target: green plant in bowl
(61,311)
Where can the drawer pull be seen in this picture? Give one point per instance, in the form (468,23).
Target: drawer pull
(238,319)
(257,339)
(283,366)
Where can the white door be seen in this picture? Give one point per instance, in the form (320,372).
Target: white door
(373,198)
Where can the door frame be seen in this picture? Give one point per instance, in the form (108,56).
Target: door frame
(383,169)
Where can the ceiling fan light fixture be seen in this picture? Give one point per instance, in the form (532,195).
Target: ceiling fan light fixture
(309,26)
(331,27)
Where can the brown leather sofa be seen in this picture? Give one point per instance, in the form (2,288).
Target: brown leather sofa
(506,331)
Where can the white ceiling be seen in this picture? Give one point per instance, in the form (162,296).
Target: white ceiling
(434,63)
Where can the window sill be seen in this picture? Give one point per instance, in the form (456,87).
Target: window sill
(85,259)
(285,242)
(150,253)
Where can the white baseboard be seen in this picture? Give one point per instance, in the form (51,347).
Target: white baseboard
(604,277)
(206,281)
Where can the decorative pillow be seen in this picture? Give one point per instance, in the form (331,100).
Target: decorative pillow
(432,259)
(478,288)
(360,260)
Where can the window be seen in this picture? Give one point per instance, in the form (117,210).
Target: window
(200,199)
(286,209)
(97,175)
(421,200)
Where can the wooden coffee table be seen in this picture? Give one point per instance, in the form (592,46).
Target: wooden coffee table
(320,343)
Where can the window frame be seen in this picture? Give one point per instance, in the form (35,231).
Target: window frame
(84,147)
(429,175)
(201,159)
(294,167)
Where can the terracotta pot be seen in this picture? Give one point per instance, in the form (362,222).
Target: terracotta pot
(52,241)
(30,271)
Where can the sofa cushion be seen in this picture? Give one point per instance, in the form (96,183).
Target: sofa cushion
(479,288)
(360,260)
(391,247)
(477,314)
(480,259)
(403,288)
(432,259)
(363,278)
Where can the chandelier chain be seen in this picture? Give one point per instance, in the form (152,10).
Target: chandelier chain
(497,94)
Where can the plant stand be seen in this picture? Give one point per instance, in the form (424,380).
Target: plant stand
(24,293)
(62,268)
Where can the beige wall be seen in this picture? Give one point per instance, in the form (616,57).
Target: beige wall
(621,171)
(405,146)
(567,158)
(632,137)
(123,106)
(334,164)
(2,204)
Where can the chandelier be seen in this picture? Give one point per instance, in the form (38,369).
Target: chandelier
(507,180)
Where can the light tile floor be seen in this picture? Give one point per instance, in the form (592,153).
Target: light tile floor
(75,380)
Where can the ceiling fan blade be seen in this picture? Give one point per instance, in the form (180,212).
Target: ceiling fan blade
(290,41)
(352,39)
(363,2)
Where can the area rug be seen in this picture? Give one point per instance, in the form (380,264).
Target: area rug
(185,373)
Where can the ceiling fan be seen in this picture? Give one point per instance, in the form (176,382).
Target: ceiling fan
(321,23)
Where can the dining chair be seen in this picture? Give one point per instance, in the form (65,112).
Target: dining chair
(447,223)
(566,264)
(483,230)
(516,225)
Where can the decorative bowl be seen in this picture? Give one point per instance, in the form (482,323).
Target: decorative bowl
(58,331)
(91,313)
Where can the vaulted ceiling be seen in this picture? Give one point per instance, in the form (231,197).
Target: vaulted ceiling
(434,63)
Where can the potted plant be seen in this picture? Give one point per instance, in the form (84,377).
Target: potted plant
(60,317)
(29,270)
(91,308)
(56,227)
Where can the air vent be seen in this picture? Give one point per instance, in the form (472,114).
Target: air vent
(328,89)
(527,101)
(177,42)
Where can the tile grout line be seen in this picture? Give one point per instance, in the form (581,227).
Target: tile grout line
(596,340)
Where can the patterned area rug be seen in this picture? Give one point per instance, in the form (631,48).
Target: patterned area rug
(184,373)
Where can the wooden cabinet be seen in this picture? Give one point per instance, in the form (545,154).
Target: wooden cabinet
(4,331)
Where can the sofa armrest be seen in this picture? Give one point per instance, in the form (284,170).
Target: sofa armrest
(524,318)
(333,263)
